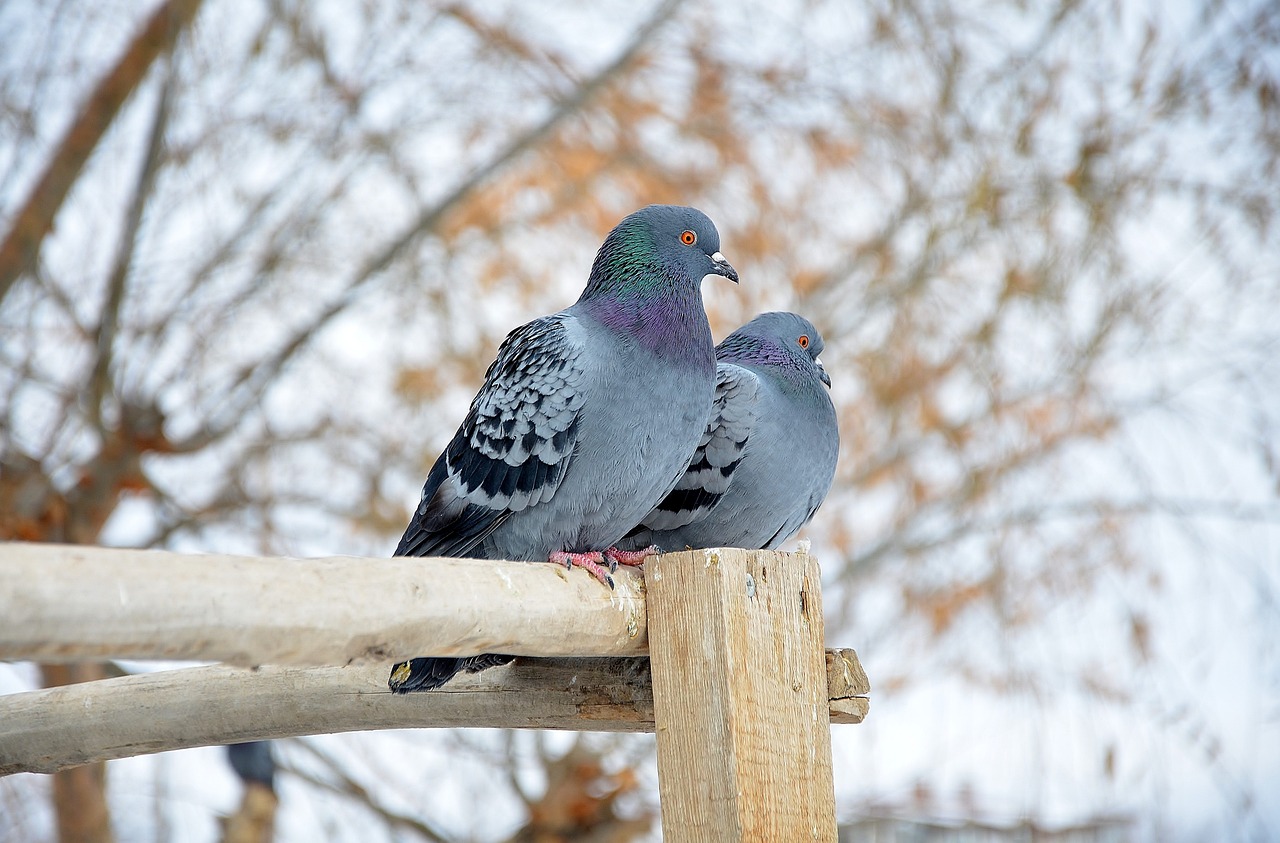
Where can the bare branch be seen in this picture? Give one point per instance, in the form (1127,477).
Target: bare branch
(21,246)
(109,321)
(254,381)
(347,786)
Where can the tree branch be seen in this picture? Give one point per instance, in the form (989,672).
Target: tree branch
(21,246)
(109,322)
(352,789)
(254,380)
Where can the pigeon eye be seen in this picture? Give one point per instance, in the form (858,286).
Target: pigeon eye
(803,340)
(688,238)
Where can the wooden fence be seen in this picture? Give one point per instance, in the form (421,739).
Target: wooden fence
(737,685)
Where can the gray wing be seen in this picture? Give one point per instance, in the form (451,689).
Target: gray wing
(813,457)
(513,448)
(733,415)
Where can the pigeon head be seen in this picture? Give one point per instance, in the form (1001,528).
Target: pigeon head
(655,248)
(779,339)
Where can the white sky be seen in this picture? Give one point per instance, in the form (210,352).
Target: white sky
(1201,731)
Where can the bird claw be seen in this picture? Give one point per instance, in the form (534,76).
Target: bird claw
(634,558)
(590,562)
(594,562)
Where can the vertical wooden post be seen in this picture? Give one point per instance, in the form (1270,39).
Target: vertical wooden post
(740,696)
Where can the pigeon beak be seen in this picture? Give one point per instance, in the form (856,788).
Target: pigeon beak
(822,373)
(722,268)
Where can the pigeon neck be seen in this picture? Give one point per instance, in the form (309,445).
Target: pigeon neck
(666,317)
(784,366)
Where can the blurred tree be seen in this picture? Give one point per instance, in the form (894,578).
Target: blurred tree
(1040,239)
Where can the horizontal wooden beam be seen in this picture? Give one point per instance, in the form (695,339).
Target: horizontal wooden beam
(70,603)
(48,730)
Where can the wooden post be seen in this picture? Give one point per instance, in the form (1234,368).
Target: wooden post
(740,697)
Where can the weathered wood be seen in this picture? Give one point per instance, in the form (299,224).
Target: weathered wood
(744,745)
(845,676)
(67,603)
(42,731)
(847,687)
(849,710)
(52,729)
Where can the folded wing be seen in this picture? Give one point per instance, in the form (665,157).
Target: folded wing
(513,448)
(710,473)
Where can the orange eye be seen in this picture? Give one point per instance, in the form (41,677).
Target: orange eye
(803,340)
(688,238)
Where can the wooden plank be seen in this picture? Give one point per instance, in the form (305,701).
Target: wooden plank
(48,730)
(739,681)
(69,603)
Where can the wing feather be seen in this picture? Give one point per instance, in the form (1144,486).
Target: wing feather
(513,448)
(710,472)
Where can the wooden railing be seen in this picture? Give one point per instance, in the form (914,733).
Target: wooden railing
(737,685)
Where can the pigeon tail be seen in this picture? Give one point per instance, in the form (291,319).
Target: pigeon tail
(429,673)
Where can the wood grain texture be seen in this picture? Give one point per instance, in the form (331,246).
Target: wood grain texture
(67,603)
(740,678)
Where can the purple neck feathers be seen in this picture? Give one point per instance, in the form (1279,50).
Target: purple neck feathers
(669,321)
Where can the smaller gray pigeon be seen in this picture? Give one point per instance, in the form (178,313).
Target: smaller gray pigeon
(767,458)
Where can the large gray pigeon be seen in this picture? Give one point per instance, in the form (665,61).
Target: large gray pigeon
(768,455)
(585,421)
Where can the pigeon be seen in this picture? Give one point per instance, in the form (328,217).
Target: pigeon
(253,762)
(768,455)
(586,418)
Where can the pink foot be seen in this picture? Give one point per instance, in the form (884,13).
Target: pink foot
(635,558)
(591,562)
